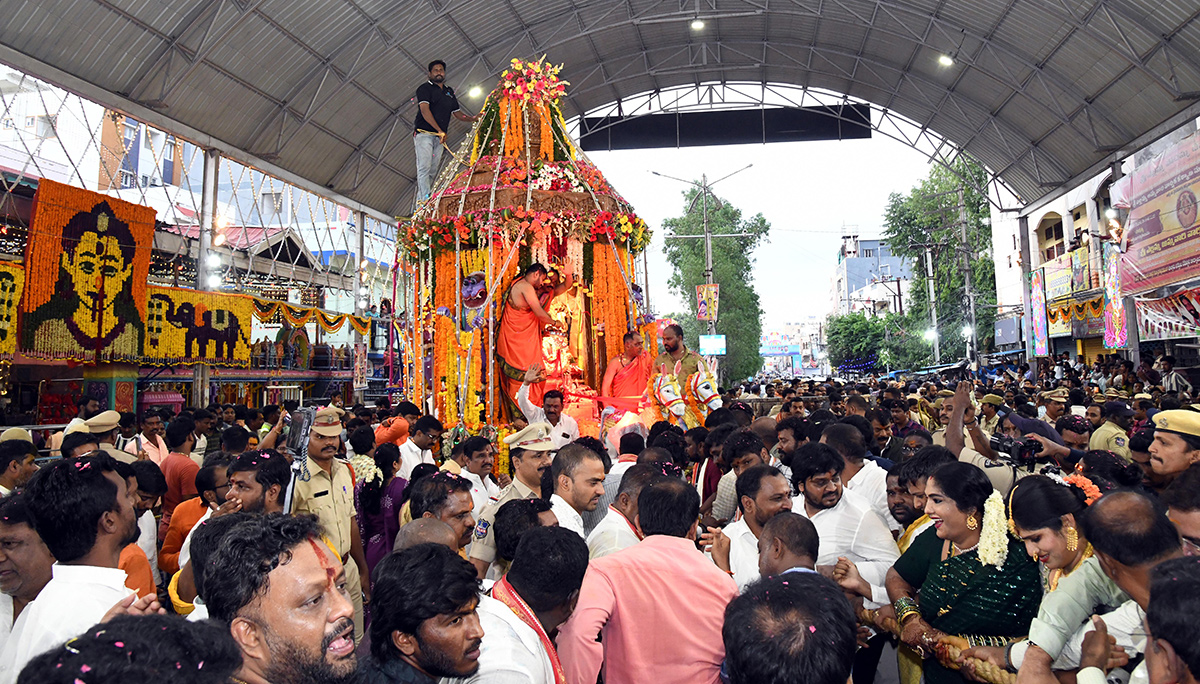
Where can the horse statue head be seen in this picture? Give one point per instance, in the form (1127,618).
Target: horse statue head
(665,390)
(702,386)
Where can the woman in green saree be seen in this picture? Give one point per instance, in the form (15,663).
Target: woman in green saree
(965,576)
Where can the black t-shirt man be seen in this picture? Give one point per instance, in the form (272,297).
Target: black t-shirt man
(442,103)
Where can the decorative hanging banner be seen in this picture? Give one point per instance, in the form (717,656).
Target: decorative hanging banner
(190,327)
(1116,324)
(1038,323)
(87,269)
(360,366)
(1169,317)
(707,297)
(12,282)
(297,316)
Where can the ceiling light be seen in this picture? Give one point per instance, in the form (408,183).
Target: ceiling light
(214,281)
(219,240)
(1110,213)
(697,24)
(213,261)
(363,291)
(475,91)
(945,60)
(365,263)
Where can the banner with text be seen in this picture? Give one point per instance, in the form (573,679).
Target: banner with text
(1161,238)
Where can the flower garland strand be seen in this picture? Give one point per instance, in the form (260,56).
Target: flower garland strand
(993,537)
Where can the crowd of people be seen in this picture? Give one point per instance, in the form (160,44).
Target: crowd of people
(1009,529)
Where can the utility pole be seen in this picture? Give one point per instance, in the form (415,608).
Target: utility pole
(705,189)
(972,339)
(937,350)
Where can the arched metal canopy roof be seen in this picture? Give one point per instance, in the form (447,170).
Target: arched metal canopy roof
(1041,91)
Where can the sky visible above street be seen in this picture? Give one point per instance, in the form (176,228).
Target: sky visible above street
(811,193)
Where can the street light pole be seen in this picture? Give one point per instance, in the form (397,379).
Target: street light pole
(705,189)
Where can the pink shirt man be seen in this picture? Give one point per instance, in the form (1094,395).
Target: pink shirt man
(157,450)
(660,605)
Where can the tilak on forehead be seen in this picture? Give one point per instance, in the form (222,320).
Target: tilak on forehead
(323,560)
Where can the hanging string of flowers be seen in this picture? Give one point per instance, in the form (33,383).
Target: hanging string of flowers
(297,316)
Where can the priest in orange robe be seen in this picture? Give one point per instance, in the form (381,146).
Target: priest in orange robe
(519,342)
(629,373)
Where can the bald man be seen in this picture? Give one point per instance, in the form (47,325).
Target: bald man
(425,531)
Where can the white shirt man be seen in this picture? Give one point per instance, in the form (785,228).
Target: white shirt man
(562,434)
(6,619)
(871,484)
(743,552)
(483,491)
(148,541)
(74,599)
(613,533)
(567,516)
(410,456)
(851,529)
(511,651)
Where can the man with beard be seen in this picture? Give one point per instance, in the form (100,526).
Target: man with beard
(325,488)
(83,511)
(527,605)
(845,523)
(675,351)
(762,492)
(530,453)
(436,103)
(85,408)
(283,593)
(618,529)
(578,476)
(25,562)
(1075,431)
(899,501)
(213,486)
(257,481)
(424,625)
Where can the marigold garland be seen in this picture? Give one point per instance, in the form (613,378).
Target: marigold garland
(12,284)
(187,327)
(297,316)
(69,227)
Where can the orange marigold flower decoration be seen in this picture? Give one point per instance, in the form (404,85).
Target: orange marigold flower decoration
(1090,491)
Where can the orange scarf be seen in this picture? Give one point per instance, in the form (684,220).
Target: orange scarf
(503,592)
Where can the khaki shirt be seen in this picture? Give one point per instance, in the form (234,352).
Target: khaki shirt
(331,499)
(483,547)
(117,454)
(939,437)
(689,364)
(990,426)
(1110,437)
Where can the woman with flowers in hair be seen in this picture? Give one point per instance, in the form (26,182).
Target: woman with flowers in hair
(976,585)
(377,497)
(1043,512)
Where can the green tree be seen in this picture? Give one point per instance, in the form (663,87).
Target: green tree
(854,341)
(930,217)
(739,314)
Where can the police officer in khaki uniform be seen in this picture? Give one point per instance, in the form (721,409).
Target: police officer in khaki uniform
(530,452)
(103,427)
(1112,435)
(328,493)
(1055,402)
